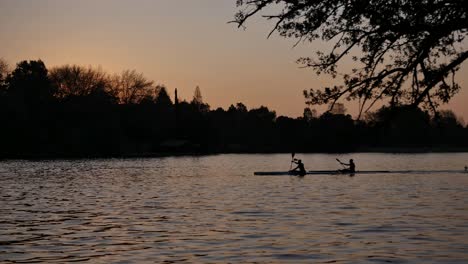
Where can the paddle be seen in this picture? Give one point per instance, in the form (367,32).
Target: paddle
(341,163)
(292,160)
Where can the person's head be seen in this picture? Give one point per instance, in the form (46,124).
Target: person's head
(351,161)
(299,161)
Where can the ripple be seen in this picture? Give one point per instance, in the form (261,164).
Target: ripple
(209,210)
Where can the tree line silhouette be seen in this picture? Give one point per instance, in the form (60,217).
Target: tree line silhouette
(73,111)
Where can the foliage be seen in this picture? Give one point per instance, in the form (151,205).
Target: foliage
(338,109)
(86,119)
(406,52)
(29,84)
(162,97)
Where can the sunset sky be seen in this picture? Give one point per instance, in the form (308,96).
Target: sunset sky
(178,43)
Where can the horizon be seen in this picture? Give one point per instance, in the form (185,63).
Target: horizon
(177,44)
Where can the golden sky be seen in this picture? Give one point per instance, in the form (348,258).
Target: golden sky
(178,43)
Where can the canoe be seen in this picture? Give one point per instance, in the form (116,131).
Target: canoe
(282,173)
(337,172)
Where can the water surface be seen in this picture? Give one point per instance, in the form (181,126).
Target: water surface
(213,210)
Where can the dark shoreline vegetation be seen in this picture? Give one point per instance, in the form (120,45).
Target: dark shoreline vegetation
(79,112)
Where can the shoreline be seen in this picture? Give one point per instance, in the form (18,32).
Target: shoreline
(381,150)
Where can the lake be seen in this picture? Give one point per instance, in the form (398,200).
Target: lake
(212,209)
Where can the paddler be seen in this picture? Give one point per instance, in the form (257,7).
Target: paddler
(351,167)
(299,170)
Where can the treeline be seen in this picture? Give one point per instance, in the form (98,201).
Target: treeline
(74,111)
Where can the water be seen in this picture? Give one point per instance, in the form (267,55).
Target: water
(213,210)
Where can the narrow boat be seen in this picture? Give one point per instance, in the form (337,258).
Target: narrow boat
(316,172)
(338,172)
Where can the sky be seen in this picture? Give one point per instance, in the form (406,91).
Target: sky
(178,43)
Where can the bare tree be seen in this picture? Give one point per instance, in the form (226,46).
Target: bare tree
(74,80)
(3,68)
(131,87)
(3,73)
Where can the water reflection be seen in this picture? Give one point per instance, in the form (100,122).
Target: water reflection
(213,210)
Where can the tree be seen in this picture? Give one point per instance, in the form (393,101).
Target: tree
(264,114)
(401,126)
(131,87)
(241,108)
(3,74)
(3,69)
(75,80)
(162,97)
(308,115)
(407,51)
(338,109)
(197,101)
(447,118)
(197,97)
(29,85)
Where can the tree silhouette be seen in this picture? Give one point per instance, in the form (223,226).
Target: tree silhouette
(75,80)
(3,75)
(309,114)
(131,87)
(29,85)
(447,118)
(197,97)
(3,69)
(29,102)
(241,108)
(402,126)
(407,51)
(197,101)
(338,109)
(86,119)
(162,98)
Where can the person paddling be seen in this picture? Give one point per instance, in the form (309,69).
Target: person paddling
(351,166)
(299,170)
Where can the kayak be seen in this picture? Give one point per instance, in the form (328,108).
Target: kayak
(338,172)
(281,173)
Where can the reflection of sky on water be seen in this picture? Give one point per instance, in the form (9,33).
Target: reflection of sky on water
(212,209)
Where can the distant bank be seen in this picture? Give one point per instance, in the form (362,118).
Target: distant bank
(47,114)
(376,150)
